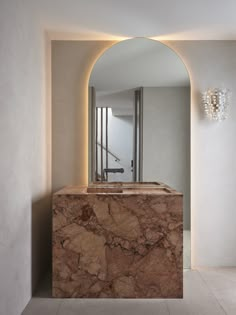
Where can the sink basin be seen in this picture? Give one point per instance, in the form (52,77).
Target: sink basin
(104,190)
(126,184)
(127,188)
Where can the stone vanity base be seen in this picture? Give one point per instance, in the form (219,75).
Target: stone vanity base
(118,245)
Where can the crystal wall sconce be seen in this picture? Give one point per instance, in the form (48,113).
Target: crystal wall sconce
(216,102)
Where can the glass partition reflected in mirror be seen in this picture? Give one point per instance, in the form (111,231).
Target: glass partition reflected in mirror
(139,119)
(116,136)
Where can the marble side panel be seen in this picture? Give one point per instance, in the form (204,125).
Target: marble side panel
(117,246)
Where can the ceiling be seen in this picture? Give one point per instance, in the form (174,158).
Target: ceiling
(138,62)
(169,19)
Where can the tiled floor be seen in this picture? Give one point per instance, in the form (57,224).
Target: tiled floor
(187,249)
(206,292)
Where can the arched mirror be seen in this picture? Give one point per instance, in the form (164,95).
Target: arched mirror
(139,119)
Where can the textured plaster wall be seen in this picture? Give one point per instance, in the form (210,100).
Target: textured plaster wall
(213,147)
(25,142)
(25,184)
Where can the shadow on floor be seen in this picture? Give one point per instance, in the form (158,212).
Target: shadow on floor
(41,241)
(44,289)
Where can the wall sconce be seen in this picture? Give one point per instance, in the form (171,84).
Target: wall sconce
(216,102)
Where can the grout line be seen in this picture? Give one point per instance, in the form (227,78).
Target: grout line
(167,307)
(59,307)
(212,292)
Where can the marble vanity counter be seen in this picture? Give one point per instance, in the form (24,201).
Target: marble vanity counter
(118,240)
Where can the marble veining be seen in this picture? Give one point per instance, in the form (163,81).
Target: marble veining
(125,244)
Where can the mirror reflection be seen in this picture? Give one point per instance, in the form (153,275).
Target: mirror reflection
(130,81)
(139,118)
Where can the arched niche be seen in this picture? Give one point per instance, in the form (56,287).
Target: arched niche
(141,88)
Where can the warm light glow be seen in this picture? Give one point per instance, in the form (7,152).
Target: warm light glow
(88,35)
(199,33)
(112,40)
(82,98)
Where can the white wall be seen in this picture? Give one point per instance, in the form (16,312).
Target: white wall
(213,148)
(23,138)
(122,102)
(24,187)
(166,139)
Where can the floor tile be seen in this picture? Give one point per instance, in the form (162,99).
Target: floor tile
(222,284)
(42,306)
(187,249)
(198,299)
(206,292)
(219,278)
(114,307)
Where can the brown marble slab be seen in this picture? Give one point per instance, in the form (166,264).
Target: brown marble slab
(125,243)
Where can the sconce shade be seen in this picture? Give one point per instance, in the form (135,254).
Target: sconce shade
(216,102)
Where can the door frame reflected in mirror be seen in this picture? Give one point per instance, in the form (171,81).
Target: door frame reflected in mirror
(94,151)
